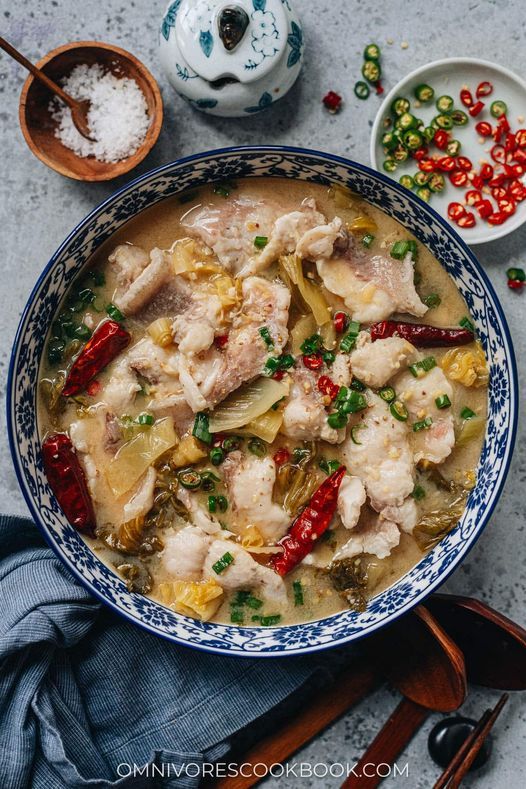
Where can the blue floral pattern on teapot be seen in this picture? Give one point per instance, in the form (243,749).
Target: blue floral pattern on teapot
(261,66)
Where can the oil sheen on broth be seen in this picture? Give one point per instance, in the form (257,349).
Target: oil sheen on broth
(239,302)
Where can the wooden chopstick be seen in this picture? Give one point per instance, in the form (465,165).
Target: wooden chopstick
(348,688)
(395,734)
(465,756)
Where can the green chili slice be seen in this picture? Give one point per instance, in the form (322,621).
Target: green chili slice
(362,90)
(399,411)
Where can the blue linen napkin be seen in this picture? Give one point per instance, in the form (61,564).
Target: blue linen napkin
(82,691)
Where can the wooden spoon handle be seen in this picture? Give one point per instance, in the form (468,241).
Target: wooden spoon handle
(395,734)
(49,83)
(348,688)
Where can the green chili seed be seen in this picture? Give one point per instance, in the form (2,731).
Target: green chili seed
(189,478)
(424,193)
(421,178)
(389,140)
(453,147)
(436,182)
(389,165)
(114,312)
(216,456)
(354,432)
(230,443)
(444,103)
(442,401)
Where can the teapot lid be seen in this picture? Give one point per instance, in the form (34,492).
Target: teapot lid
(240,39)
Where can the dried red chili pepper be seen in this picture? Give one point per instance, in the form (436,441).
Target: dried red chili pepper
(67,481)
(327,387)
(105,344)
(310,525)
(313,361)
(281,457)
(420,334)
(332,101)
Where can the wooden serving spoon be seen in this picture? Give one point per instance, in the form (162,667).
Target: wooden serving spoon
(429,670)
(79,109)
(356,682)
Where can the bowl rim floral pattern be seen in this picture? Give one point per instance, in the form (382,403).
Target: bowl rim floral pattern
(98,226)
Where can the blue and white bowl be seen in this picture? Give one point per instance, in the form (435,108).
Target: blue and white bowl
(194,171)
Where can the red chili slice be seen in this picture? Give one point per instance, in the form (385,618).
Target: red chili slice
(520,138)
(498,154)
(498,180)
(468,220)
(499,192)
(446,163)
(327,387)
(463,163)
(458,178)
(332,101)
(282,456)
(476,181)
(484,89)
(427,165)
(517,190)
(504,126)
(278,375)
(498,218)
(420,153)
(473,197)
(476,109)
(441,139)
(507,205)
(515,284)
(486,171)
(466,98)
(509,143)
(340,321)
(517,170)
(379,88)
(483,128)
(313,361)
(455,211)
(484,208)
(519,156)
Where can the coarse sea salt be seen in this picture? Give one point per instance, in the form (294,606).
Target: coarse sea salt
(118,115)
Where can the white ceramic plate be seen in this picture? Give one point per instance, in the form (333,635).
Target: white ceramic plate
(448,77)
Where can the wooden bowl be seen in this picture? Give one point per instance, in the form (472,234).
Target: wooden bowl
(38,126)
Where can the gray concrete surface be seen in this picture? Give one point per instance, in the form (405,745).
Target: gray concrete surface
(38,208)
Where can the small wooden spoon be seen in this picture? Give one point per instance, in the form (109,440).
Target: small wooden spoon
(79,109)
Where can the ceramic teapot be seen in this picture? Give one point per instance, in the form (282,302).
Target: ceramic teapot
(231,58)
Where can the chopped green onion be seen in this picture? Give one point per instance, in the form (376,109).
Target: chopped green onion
(424,424)
(418,493)
(399,250)
(268,621)
(98,278)
(222,503)
(387,393)
(367,240)
(298,592)
(222,563)
(466,324)
(329,466)
(419,369)
(354,431)
(361,90)
(55,349)
(267,339)
(399,411)
(200,429)
(87,295)
(275,406)
(189,478)
(257,447)
(467,413)
(432,301)
(240,598)
(442,401)
(253,602)
(516,274)
(275,363)
(329,357)
(114,312)
(311,344)
(216,456)
(230,443)
(82,332)
(349,341)
(337,420)
(208,480)
(260,242)
(145,419)
(237,616)
(223,190)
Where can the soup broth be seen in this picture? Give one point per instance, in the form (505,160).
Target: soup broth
(253,369)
